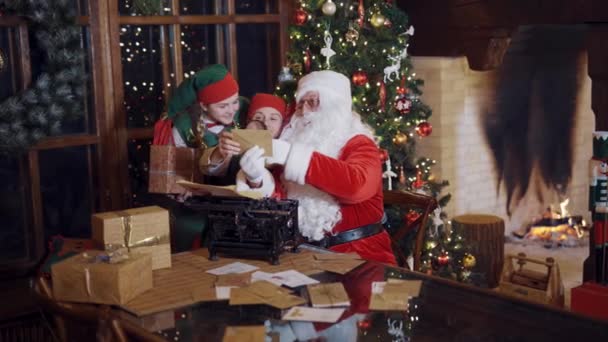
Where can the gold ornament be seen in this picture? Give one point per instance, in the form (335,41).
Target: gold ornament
(469,261)
(377,20)
(430,244)
(352,35)
(329,8)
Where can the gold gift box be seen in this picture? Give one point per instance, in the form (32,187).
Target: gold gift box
(79,279)
(144,230)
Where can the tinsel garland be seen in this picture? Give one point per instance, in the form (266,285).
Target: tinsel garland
(57,94)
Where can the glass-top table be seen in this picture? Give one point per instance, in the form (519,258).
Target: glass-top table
(444,311)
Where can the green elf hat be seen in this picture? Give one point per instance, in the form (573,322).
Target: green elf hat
(210,85)
(600,145)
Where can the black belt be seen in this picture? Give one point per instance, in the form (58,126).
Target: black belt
(350,235)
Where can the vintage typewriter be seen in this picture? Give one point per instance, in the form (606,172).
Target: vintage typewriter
(243,226)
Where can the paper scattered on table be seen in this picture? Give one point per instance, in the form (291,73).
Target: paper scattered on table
(293,278)
(233,279)
(301,313)
(223,292)
(340,266)
(263,292)
(254,333)
(235,267)
(394,294)
(259,275)
(328,295)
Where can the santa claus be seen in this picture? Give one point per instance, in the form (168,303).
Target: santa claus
(327,159)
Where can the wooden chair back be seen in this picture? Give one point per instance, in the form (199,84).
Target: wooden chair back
(424,205)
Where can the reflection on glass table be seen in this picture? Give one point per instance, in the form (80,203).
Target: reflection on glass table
(444,311)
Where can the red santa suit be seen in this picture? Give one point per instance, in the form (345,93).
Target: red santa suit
(333,169)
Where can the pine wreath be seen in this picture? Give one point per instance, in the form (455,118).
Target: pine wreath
(57,95)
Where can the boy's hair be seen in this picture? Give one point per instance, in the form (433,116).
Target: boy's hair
(257,123)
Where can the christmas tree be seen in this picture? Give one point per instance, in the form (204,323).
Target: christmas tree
(367,40)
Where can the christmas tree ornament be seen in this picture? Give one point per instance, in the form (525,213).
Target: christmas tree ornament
(377,20)
(352,35)
(402,177)
(400,138)
(300,17)
(359,78)
(285,75)
(296,67)
(424,129)
(329,8)
(411,216)
(382,95)
(403,105)
(430,245)
(327,51)
(361,12)
(383,155)
(307,61)
(388,23)
(469,261)
(443,259)
(389,174)
(418,183)
(392,69)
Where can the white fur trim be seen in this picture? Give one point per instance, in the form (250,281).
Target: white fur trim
(177,138)
(266,189)
(297,163)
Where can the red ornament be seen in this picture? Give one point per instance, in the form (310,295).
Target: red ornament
(359,78)
(424,129)
(300,17)
(364,324)
(388,23)
(443,259)
(418,183)
(361,11)
(307,61)
(383,155)
(403,105)
(382,95)
(411,216)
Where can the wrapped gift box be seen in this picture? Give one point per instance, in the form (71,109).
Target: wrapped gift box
(144,230)
(82,278)
(169,164)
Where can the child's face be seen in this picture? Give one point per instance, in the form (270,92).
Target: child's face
(223,112)
(271,118)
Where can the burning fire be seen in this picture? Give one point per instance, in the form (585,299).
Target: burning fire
(558,227)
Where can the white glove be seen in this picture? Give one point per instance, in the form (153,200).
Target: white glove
(252,164)
(280,151)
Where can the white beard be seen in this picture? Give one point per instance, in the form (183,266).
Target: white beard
(327,132)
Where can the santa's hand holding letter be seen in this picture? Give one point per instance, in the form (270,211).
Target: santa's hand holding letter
(326,158)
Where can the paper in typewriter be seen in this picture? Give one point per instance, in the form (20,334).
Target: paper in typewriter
(226,191)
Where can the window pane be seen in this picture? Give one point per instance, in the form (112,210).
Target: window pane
(258,57)
(86,122)
(199,47)
(144,7)
(9,63)
(67,192)
(256,7)
(201,7)
(142,68)
(139,157)
(83,7)
(12,211)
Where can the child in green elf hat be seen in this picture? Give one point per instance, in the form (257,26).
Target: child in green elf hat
(217,94)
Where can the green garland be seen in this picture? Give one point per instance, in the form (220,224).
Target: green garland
(58,93)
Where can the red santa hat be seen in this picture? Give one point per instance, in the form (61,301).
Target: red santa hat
(329,84)
(262,100)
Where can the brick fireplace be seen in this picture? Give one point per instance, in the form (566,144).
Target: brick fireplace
(460,99)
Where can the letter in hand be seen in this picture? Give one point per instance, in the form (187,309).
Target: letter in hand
(252,164)
(280,151)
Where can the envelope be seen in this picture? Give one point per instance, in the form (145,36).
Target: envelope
(340,266)
(249,138)
(328,295)
(204,294)
(336,256)
(255,333)
(233,279)
(393,295)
